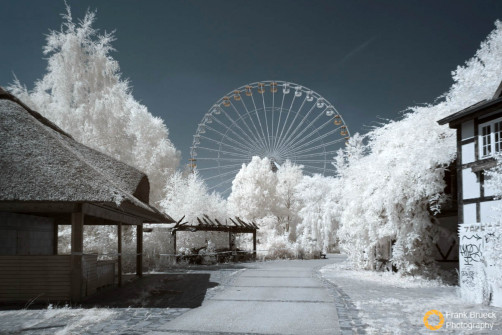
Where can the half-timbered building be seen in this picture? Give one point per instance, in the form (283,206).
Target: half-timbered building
(479,138)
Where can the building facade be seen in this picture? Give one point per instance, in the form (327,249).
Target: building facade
(479,139)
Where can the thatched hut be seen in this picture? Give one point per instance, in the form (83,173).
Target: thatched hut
(49,179)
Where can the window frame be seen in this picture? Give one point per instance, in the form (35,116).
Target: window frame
(492,145)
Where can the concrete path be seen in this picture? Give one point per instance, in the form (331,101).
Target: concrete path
(279,297)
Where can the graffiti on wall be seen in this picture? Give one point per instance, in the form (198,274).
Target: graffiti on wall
(467,278)
(470,250)
(471,253)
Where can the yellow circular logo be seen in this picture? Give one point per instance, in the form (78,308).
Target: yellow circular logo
(426,319)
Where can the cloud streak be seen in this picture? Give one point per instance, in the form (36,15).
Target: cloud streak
(356,50)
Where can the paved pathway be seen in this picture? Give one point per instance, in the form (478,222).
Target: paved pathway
(279,297)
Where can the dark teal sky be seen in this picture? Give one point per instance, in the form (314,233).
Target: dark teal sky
(370,59)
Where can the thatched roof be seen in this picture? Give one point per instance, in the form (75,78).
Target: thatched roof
(40,162)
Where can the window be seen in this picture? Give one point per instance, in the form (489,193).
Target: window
(490,141)
(498,136)
(486,141)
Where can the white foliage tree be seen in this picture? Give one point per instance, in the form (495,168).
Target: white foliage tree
(317,229)
(84,94)
(294,212)
(187,196)
(389,194)
(254,190)
(270,199)
(289,175)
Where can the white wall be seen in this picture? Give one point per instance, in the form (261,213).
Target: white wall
(470,184)
(468,153)
(470,214)
(488,190)
(488,210)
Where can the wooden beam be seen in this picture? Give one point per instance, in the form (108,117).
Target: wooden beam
(119,252)
(139,250)
(179,222)
(242,222)
(55,239)
(174,246)
(235,223)
(209,219)
(95,221)
(110,214)
(254,244)
(238,229)
(77,237)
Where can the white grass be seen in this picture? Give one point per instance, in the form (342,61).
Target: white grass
(53,320)
(345,270)
(392,304)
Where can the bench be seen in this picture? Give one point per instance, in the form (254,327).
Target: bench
(323,255)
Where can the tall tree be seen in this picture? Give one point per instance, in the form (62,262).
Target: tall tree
(289,175)
(389,194)
(253,190)
(84,94)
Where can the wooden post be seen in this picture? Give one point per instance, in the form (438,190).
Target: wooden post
(174,246)
(119,251)
(55,239)
(139,250)
(77,237)
(254,244)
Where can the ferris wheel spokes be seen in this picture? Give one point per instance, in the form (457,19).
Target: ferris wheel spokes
(220,167)
(279,122)
(312,132)
(318,138)
(238,127)
(293,122)
(285,123)
(241,144)
(258,117)
(226,145)
(240,117)
(318,146)
(285,141)
(333,152)
(223,174)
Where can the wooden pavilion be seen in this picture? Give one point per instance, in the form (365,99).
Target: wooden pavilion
(231,226)
(49,179)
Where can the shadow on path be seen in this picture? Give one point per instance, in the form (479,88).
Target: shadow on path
(156,291)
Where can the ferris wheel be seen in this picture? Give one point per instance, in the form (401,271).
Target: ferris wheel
(275,119)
